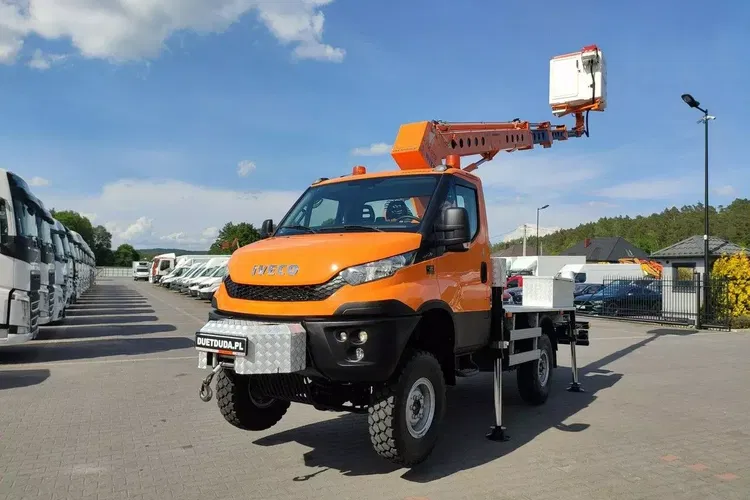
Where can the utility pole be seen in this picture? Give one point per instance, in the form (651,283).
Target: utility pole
(537,227)
(690,101)
(524,240)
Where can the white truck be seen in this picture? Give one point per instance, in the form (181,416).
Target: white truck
(141,270)
(44,222)
(20,278)
(63,271)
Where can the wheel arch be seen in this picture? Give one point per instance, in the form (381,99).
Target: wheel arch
(436,334)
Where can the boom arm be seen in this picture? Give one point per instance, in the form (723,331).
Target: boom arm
(576,87)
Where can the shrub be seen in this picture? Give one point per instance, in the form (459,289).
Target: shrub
(736,270)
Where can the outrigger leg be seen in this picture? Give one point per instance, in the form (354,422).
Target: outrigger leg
(497,431)
(575,385)
(205,392)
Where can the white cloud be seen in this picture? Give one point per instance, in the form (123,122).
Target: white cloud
(38,181)
(726,190)
(129,30)
(245,168)
(42,61)
(183,213)
(376,149)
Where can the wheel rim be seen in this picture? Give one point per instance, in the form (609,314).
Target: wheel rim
(420,408)
(543,368)
(259,400)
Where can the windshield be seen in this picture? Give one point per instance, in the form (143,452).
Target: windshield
(380,204)
(58,246)
(220,272)
(194,271)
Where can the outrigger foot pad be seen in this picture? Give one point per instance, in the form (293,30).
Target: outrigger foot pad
(575,387)
(497,433)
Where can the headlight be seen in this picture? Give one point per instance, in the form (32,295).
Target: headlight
(379,269)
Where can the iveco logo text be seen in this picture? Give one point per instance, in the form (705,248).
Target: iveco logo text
(229,345)
(276,270)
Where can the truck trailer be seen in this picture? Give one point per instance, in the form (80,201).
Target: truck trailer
(377,290)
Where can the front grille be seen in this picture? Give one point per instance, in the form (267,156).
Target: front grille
(283,293)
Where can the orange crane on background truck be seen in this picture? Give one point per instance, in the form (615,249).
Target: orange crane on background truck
(377,290)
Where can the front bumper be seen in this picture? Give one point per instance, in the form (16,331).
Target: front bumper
(310,347)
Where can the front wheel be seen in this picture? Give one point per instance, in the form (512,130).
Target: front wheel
(404,416)
(243,408)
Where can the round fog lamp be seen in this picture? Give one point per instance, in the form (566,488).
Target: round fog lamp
(341,336)
(359,353)
(361,337)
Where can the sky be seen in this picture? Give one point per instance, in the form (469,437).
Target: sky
(164,119)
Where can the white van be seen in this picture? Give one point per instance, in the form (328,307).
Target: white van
(140,270)
(597,273)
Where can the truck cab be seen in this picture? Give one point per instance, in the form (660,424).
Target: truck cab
(62,269)
(141,270)
(44,222)
(20,278)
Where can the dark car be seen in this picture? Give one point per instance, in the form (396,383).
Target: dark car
(586,288)
(621,299)
(516,294)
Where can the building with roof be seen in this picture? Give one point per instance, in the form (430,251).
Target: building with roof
(610,249)
(688,254)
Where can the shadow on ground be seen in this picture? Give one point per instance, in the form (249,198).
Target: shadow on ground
(88,349)
(343,443)
(109,311)
(13,379)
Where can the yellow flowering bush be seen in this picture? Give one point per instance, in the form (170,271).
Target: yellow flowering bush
(736,270)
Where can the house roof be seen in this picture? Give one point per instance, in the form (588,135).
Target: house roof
(515,250)
(610,249)
(693,247)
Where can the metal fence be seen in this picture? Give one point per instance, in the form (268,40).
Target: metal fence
(693,302)
(114,272)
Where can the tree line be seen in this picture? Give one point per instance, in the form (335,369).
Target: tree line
(655,231)
(98,239)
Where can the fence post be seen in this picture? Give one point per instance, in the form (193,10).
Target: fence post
(697,281)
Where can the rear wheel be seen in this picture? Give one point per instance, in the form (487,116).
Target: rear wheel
(535,377)
(244,408)
(404,416)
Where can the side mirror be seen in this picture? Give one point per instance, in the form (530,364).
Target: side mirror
(453,229)
(266,229)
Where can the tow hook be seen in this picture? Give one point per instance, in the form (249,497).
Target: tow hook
(205,392)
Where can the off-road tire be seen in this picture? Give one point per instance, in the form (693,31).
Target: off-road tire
(386,417)
(532,388)
(239,409)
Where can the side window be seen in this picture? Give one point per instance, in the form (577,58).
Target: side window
(4,230)
(323,210)
(580,278)
(467,198)
(164,265)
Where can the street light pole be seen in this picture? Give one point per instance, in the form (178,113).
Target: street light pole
(690,101)
(537,227)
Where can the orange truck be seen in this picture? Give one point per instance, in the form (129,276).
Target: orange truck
(377,290)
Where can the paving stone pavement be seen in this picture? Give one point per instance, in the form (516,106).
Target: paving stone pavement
(106,406)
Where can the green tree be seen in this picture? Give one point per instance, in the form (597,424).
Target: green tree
(125,255)
(102,246)
(78,223)
(656,231)
(243,233)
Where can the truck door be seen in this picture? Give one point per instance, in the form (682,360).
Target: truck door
(463,277)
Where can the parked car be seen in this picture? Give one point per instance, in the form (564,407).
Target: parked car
(621,299)
(586,288)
